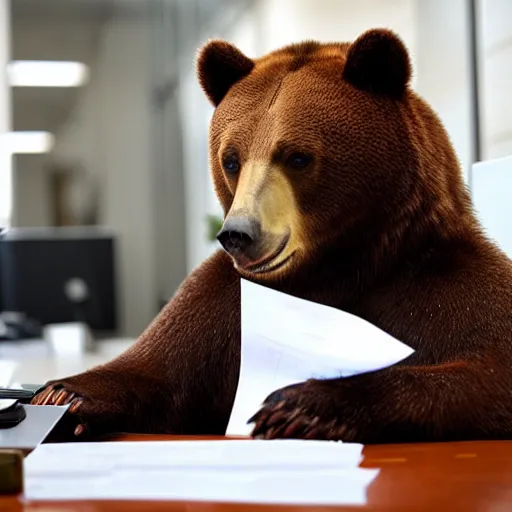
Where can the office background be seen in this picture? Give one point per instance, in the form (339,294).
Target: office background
(124,146)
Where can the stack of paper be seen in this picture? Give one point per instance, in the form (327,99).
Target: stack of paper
(288,471)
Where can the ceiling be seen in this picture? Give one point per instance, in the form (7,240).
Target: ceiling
(52,30)
(64,9)
(69,30)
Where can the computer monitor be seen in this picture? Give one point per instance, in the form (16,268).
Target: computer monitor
(60,275)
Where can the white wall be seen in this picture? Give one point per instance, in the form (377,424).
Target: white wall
(288,21)
(5,116)
(110,135)
(496,77)
(443,69)
(195,113)
(31,206)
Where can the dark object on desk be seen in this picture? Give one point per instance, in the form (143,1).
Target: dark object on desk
(11,472)
(12,416)
(22,395)
(57,275)
(16,326)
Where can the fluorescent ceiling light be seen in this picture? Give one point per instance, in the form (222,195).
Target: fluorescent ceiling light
(41,73)
(29,142)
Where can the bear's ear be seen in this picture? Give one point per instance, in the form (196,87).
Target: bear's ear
(378,62)
(219,66)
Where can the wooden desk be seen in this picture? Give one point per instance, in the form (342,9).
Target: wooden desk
(431,477)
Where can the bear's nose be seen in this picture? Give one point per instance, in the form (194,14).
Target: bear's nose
(238,234)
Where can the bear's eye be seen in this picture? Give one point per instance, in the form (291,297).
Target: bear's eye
(298,161)
(231,164)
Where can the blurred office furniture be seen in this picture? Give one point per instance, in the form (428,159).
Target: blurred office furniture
(491,190)
(17,326)
(36,361)
(59,276)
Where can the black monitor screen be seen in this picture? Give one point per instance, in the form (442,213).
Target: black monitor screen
(59,275)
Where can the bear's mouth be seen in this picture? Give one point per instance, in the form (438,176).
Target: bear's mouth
(273,268)
(264,263)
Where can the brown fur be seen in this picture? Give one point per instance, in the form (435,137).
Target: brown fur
(378,224)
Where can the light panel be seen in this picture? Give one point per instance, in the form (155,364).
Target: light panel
(29,142)
(41,73)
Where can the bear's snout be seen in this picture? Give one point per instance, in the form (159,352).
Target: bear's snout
(239,234)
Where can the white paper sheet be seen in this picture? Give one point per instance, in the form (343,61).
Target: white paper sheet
(7,369)
(288,471)
(39,422)
(286,340)
(6,372)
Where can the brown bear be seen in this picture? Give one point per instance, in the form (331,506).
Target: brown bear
(340,186)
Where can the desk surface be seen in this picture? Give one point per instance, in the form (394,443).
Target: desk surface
(448,476)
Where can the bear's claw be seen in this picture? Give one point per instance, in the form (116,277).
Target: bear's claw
(298,424)
(53,395)
(301,411)
(80,429)
(63,397)
(102,402)
(56,394)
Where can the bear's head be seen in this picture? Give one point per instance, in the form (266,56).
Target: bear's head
(322,147)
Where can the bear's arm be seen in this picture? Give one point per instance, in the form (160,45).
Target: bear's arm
(180,375)
(462,400)
(456,386)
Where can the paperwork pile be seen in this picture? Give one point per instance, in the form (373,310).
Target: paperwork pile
(288,471)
